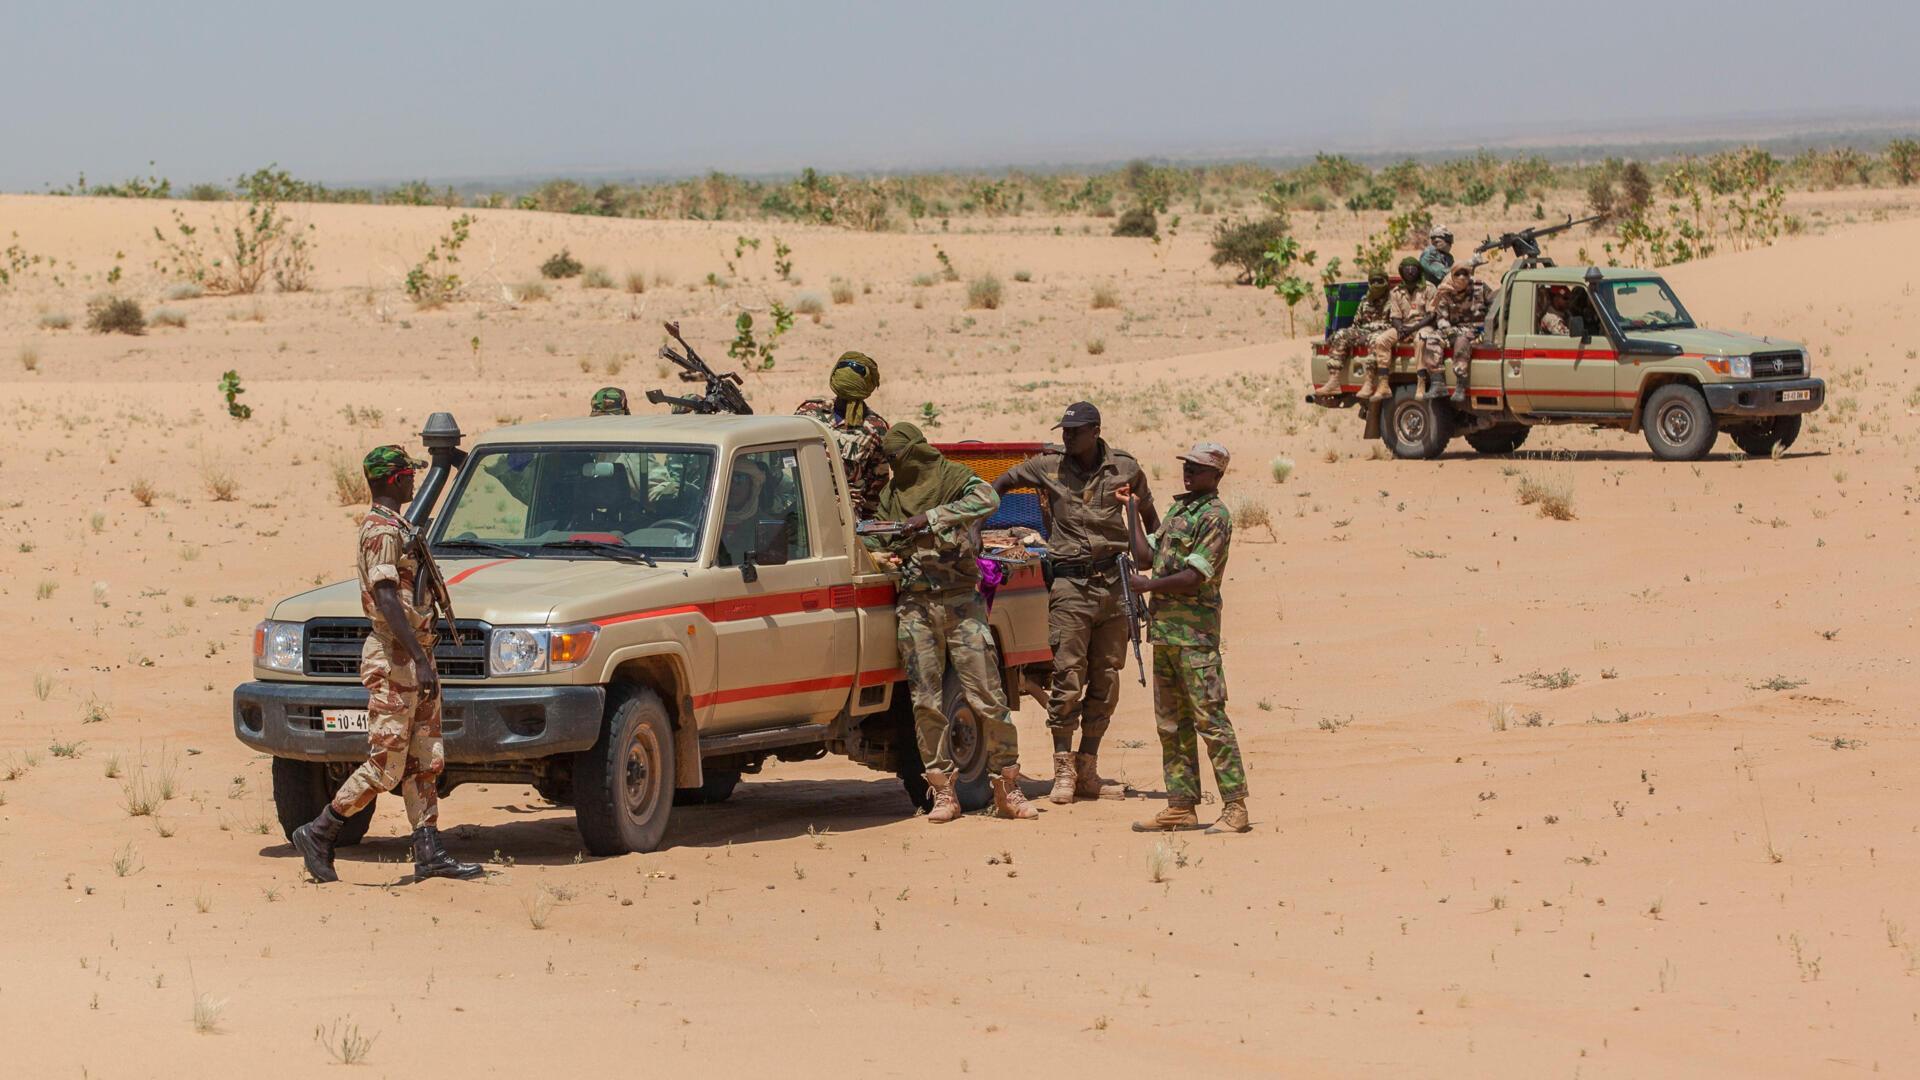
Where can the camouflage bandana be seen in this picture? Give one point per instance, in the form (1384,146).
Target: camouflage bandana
(610,401)
(382,463)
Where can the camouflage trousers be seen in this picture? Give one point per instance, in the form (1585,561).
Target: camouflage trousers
(1346,341)
(404,747)
(1433,343)
(1189,700)
(1088,631)
(938,629)
(1380,348)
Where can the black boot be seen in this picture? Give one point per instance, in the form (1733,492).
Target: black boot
(1460,387)
(432,860)
(314,841)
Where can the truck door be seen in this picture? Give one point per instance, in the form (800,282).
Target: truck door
(787,637)
(1554,372)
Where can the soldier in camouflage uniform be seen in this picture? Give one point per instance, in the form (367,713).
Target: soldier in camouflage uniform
(1459,309)
(1189,558)
(1409,307)
(1368,321)
(1553,321)
(609,401)
(404,747)
(941,619)
(857,430)
(1437,259)
(1085,612)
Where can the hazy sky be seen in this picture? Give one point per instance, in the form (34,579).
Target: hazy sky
(343,90)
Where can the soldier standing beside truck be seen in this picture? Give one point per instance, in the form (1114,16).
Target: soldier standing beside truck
(1087,624)
(404,745)
(940,617)
(1369,319)
(857,429)
(1189,558)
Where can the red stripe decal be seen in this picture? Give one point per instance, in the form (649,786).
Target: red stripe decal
(767,690)
(472,570)
(881,678)
(959,448)
(826,598)
(655,613)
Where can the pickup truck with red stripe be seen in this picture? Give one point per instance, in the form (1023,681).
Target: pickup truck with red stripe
(1634,360)
(650,607)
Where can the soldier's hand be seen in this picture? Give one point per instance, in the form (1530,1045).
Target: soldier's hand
(915,524)
(1123,493)
(1139,582)
(429,679)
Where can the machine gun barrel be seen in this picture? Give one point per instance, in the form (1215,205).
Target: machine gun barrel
(723,391)
(1526,241)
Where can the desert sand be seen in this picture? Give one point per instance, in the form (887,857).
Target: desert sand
(1623,796)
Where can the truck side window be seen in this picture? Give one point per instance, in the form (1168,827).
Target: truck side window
(766,510)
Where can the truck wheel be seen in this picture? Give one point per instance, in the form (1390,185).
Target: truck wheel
(1678,425)
(716,787)
(974,785)
(623,785)
(1759,438)
(1504,439)
(1415,429)
(301,789)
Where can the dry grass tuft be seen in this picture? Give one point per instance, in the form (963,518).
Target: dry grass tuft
(349,483)
(1552,494)
(809,304)
(984,292)
(596,277)
(142,491)
(636,281)
(344,1042)
(220,482)
(1096,346)
(841,290)
(56,320)
(1105,296)
(29,358)
(173,317)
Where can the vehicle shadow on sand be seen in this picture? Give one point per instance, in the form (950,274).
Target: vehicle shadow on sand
(1552,457)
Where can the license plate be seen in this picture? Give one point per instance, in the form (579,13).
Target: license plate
(1796,395)
(343,720)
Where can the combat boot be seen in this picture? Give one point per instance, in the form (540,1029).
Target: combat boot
(1420,387)
(1008,800)
(1336,374)
(1385,389)
(1065,781)
(1232,819)
(1177,817)
(1087,783)
(314,841)
(946,805)
(1460,387)
(1365,393)
(432,860)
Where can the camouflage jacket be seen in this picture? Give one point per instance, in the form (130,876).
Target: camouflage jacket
(944,558)
(1457,311)
(387,554)
(1372,315)
(859,450)
(1196,532)
(1088,521)
(1406,305)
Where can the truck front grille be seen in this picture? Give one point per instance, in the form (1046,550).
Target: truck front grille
(333,648)
(1779,365)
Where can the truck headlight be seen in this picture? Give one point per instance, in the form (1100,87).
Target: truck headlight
(530,650)
(1740,367)
(279,646)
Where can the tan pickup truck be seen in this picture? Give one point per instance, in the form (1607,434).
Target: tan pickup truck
(652,606)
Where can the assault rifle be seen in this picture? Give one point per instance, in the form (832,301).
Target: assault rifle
(1130,604)
(871,527)
(430,588)
(723,391)
(1525,244)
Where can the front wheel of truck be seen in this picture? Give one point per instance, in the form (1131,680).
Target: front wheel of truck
(301,789)
(1415,429)
(973,784)
(1678,424)
(623,785)
(1760,437)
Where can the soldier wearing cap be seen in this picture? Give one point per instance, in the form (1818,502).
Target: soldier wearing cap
(857,429)
(1437,259)
(610,401)
(1188,556)
(404,747)
(1085,615)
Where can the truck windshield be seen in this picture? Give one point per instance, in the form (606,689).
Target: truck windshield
(649,498)
(1644,304)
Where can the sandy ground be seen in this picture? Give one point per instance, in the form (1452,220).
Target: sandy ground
(1662,869)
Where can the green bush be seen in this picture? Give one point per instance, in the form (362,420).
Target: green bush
(115,315)
(1243,244)
(1138,221)
(562,265)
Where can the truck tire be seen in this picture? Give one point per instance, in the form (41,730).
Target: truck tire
(974,785)
(301,789)
(623,784)
(1504,439)
(1415,429)
(716,787)
(1760,437)
(1678,424)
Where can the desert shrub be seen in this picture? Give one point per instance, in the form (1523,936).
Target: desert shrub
(1553,495)
(1023,275)
(207,193)
(842,291)
(596,277)
(115,315)
(809,304)
(431,282)
(984,292)
(1374,198)
(1282,468)
(636,281)
(167,316)
(1317,201)
(185,290)
(561,265)
(530,292)
(349,482)
(1105,295)
(1243,244)
(29,358)
(56,320)
(259,244)
(1096,346)
(1138,221)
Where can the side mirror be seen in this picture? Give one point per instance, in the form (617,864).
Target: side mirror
(1578,324)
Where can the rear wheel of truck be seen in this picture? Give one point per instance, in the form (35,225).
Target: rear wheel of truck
(716,787)
(1415,429)
(1504,439)
(623,785)
(1760,437)
(973,784)
(301,789)
(1678,424)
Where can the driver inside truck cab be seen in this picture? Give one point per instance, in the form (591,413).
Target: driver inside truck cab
(1553,301)
(755,521)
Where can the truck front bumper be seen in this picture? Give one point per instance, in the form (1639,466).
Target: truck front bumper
(479,724)
(1765,398)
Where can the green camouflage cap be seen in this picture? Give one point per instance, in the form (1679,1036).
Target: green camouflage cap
(384,462)
(610,401)
(1409,261)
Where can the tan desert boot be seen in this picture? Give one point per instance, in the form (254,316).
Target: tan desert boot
(1365,393)
(1385,390)
(1008,801)
(1233,819)
(1064,780)
(946,806)
(1088,783)
(1336,374)
(1175,818)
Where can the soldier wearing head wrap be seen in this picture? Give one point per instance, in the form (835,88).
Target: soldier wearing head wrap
(940,617)
(1437,259)
(1459,308)
(857,429)
(404,747)
(1368,320)
(1409,307)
